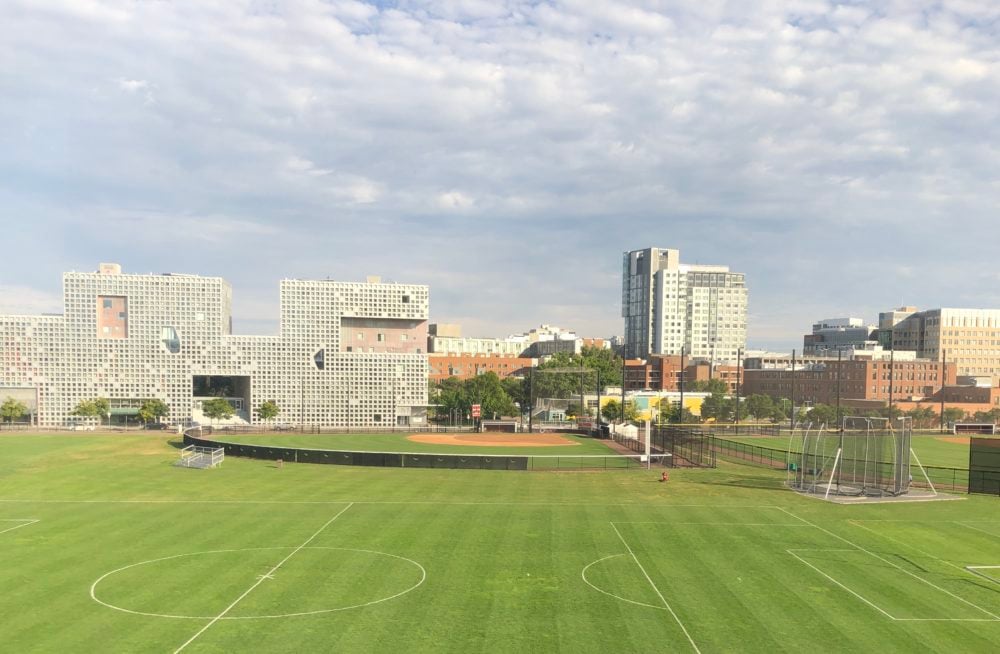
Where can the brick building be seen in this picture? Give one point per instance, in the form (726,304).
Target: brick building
(466,366)
(861,379)
(663,373)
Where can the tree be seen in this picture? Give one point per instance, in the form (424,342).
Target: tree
(268,410)
(487,391)
(710,386)
(152,410)
(890,412)
(103,408)
(760,407)
(449,395)
(922,416)
(823,414)
(217,408)
(515,387)
(718,407)
(611,411)
(993,415)
(85,409)
(12,409)
(683,416)
(953,414)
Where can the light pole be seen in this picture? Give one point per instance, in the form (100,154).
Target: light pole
(739,381)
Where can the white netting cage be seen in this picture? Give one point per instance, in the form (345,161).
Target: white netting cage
(866,457)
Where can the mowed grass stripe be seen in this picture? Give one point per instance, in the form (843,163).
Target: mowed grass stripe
(478,596)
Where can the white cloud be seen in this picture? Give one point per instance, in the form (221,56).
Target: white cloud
(735,131)
(23,300)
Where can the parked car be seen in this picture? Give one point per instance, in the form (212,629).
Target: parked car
(156,425)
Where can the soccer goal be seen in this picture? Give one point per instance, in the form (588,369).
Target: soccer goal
(196,456)
(866,457)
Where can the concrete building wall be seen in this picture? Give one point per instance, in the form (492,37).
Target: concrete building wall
(179,327)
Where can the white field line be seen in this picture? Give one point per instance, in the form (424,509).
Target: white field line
(24,523)
(869,603)
(649,579)
(394,502)
(583,575)
(983,531)
(798,525)
(261,579)
(93,587)
(900,568)
(857,523)
(963,568)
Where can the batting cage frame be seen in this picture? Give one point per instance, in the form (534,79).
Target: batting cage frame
(865,458)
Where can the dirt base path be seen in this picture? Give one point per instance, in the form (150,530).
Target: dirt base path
(493,440)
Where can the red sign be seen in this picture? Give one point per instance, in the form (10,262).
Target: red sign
(476,410)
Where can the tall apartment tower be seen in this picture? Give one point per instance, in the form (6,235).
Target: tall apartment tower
(668,305)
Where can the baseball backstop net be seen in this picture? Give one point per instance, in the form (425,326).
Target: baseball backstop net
(558,397)
(984,465)
(867,457)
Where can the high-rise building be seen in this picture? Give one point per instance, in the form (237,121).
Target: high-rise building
(967,338)
(348,354)
(669,306)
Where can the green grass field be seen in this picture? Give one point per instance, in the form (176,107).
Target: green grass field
(933,450)
(398,442)
(107,547)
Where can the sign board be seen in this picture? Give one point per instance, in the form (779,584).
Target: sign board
(476,410)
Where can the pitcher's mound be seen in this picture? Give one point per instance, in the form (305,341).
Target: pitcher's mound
(493,439)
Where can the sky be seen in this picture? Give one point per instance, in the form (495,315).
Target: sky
(843,155)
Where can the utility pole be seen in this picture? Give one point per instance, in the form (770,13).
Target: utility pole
(840,354)
(599,432)
(840,426)
(623,390)
(892,379)
(531,405)
(739,382)
(944,377)
(792,417)
(680,413)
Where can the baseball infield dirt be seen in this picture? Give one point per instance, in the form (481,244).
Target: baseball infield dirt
(493,439)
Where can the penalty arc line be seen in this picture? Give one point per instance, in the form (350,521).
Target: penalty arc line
(666,604)
(261,579)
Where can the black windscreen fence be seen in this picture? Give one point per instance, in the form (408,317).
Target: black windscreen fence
(689,448)
(371,459)
(984,466)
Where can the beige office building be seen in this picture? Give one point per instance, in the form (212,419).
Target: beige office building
(968,338)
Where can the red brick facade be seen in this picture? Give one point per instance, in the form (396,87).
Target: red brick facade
(466,366)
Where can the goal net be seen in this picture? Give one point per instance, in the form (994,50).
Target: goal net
(196,456)
(866,457)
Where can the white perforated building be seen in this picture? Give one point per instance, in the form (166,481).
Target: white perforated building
(347,355)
